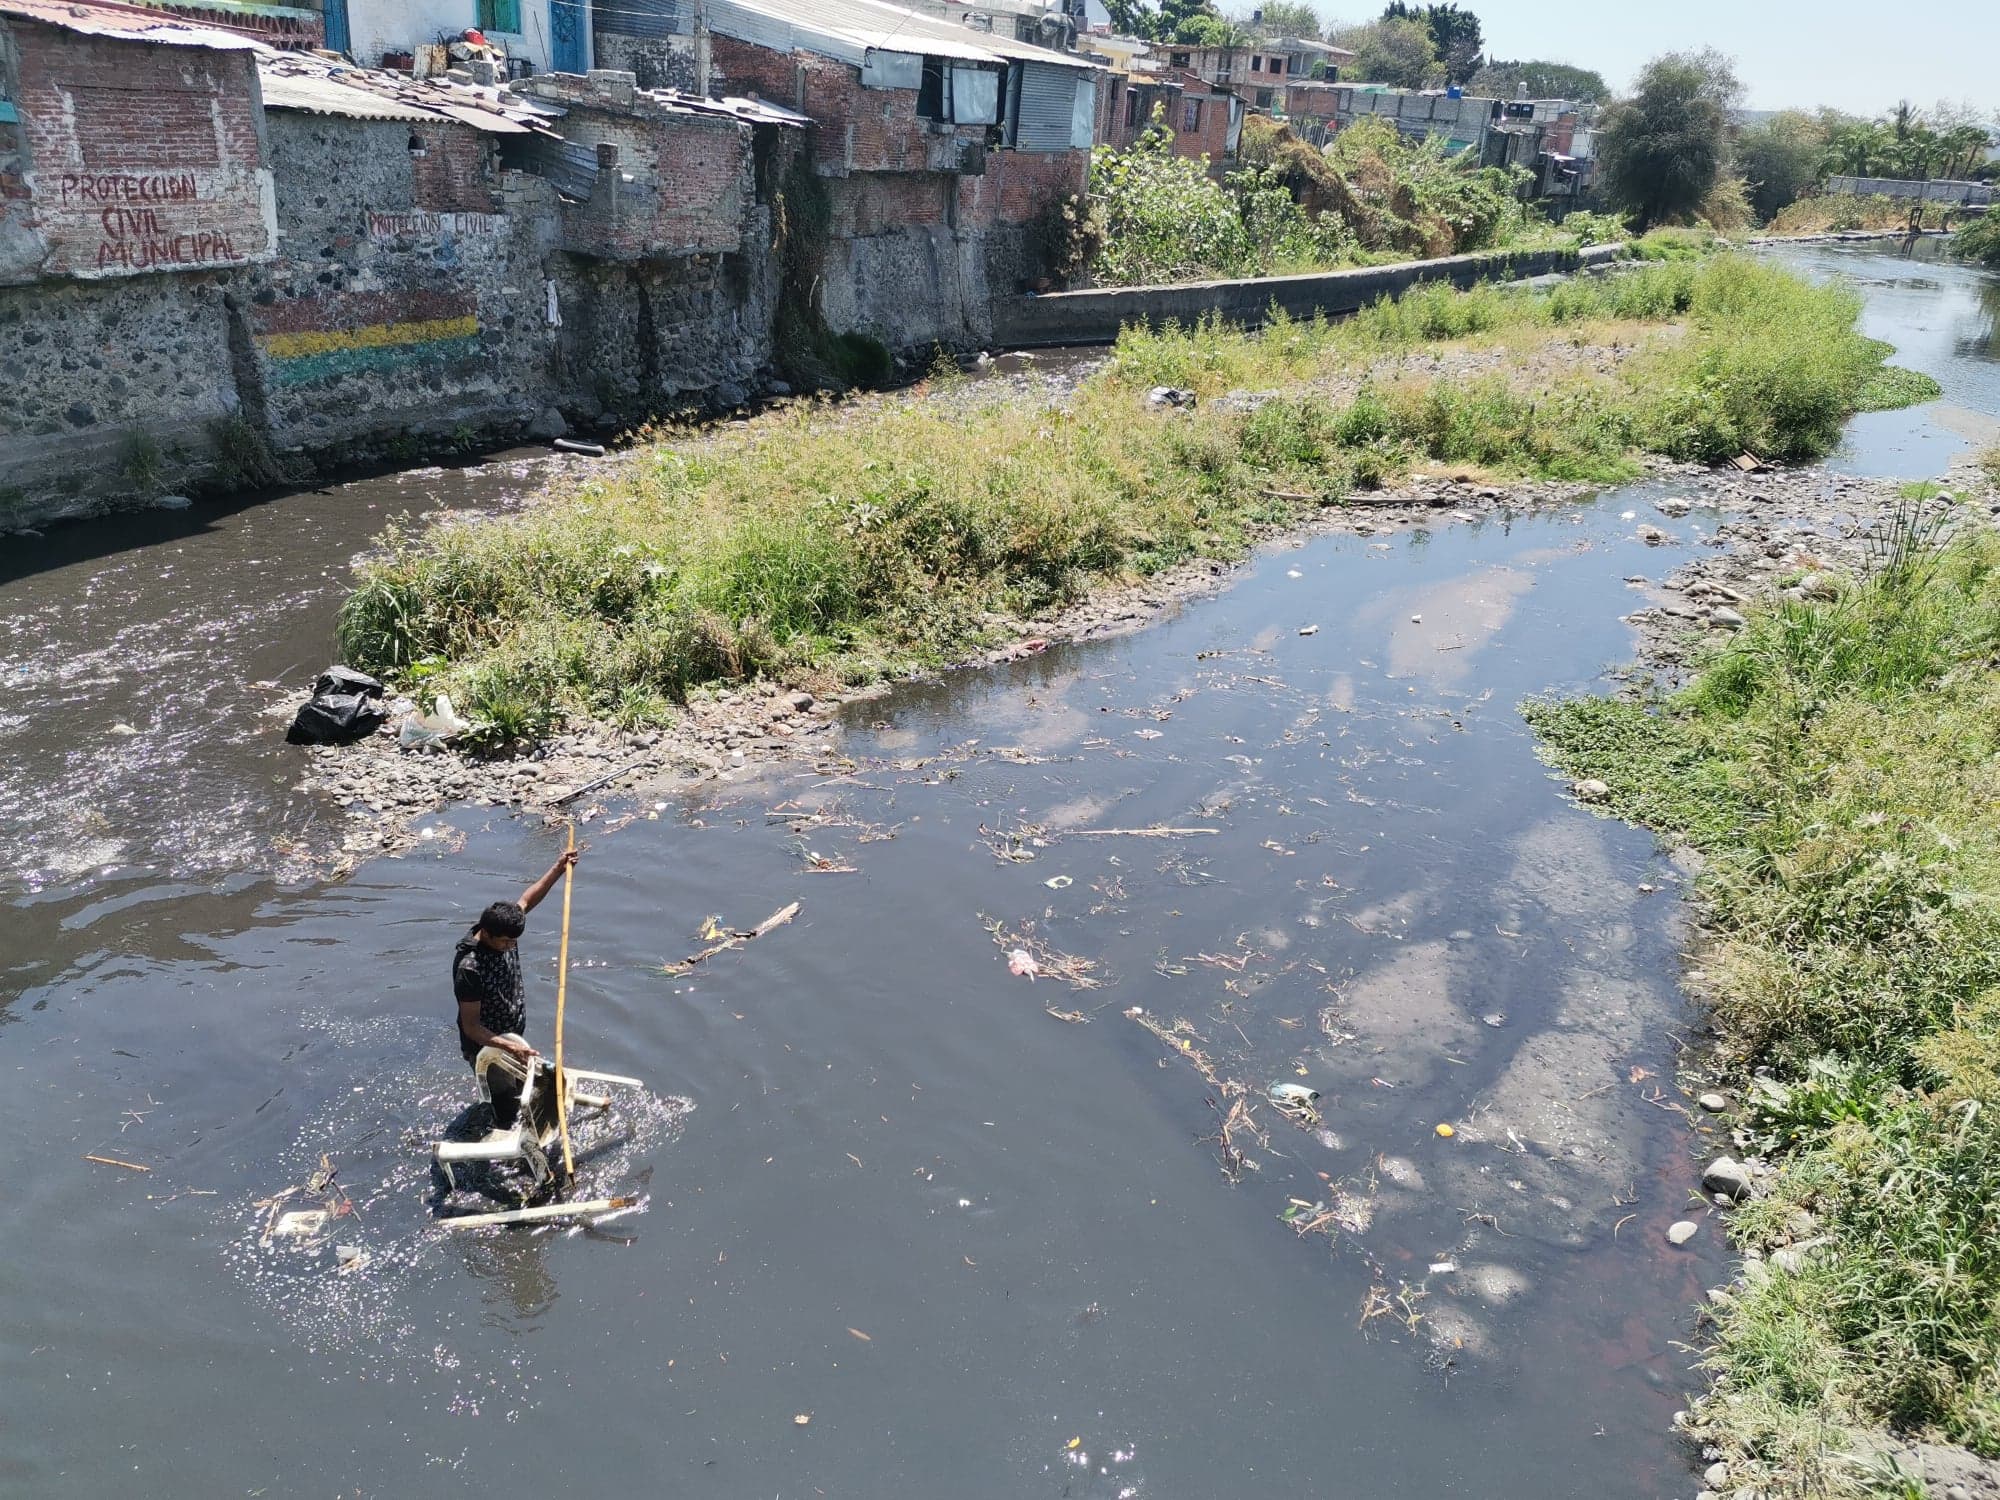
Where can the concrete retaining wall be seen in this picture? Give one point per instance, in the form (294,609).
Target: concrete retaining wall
(1094,317)
(1937,190)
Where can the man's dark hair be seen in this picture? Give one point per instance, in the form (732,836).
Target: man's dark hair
(503,919)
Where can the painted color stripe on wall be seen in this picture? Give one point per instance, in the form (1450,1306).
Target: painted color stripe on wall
(360,359)
(375,336)
(359,309)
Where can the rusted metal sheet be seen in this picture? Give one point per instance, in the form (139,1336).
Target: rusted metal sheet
(126,22)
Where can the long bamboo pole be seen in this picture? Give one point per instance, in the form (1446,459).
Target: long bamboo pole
(562,991)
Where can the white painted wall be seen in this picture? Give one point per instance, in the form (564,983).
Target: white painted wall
(378,26)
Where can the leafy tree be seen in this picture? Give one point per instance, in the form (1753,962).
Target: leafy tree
(1980,241)
(1156,20)
(1211,31)
(1398,53)
(1283,18)
(1663,149)
(1780,159)
(1903,143)
(1456,35)
(1545,80)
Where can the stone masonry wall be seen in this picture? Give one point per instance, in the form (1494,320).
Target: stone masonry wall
(108,390)
(401,301)
(655,62)
(661,335)
(681,182)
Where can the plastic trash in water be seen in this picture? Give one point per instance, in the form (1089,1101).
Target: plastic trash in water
(1292,1093)
(1021,962)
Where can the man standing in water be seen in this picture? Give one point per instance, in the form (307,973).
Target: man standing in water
(486,981)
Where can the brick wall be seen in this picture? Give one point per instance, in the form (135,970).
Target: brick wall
(1120,121)
(691,181)
(1019,185)
(858,129)
(1210,138)
(457,171)
(138,157)
(288,33)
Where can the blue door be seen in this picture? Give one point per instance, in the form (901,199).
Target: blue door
(336,25)
(566,26)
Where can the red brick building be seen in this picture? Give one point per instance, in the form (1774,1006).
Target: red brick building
(941,148)
(129,144)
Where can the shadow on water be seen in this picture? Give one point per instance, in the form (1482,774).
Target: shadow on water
(914,1223)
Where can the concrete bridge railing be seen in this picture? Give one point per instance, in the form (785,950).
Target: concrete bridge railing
(1095,316)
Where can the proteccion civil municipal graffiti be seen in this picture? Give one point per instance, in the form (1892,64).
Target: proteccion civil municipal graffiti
(120,223)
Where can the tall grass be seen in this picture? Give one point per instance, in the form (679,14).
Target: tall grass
(859,540)
(1839,764)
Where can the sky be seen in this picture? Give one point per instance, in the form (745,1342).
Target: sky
(1854,56)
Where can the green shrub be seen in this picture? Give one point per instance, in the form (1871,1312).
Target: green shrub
(1980,240)
(1838,763)
(890,534)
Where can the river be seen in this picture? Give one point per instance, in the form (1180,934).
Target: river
(913,1224)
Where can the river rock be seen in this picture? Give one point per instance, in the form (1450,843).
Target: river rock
(1672,505)
(1681,1231)
(548,425)
(1590,789)
(1727,618)
(1715,1104)
(1716,1475)
(729,393)
(1727,1176)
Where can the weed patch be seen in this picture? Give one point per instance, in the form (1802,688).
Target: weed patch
(1838,762)
(861,540)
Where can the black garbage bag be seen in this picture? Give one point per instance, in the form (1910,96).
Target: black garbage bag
(337,719)
(346,680)
(346,706)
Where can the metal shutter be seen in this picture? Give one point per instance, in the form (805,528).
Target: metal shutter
(652,20)
(1048,105)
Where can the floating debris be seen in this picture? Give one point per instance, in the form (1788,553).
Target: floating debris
(720,940)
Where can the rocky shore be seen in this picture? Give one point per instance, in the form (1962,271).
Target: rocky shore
(1803,534)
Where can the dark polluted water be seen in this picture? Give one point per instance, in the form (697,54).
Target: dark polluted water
(912,1223)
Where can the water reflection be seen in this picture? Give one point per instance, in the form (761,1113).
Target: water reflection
(1978,342)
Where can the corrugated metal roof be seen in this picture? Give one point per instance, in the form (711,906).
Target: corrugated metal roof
(294,81)
(763,111)
(320,95)
(850,29)
(131,23)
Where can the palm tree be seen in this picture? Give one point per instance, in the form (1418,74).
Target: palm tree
(1853,150)
(1965,146)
